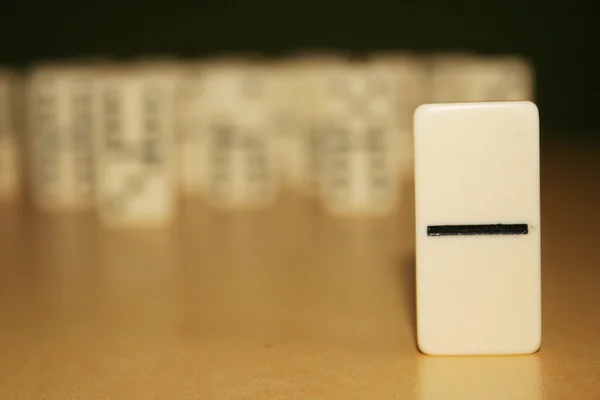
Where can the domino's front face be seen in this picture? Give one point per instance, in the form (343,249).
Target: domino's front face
(300,97)
(135,145)
(358,161)
(478,228)
(10,174)
(189,138)
(61,108)
(239,148)
(358,172)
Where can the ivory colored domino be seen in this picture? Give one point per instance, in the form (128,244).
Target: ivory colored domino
(237,154)
(241,170)
(189,134)
(10,146)
(60,111)
(191,127)
(300,98)
(134,146)
(177,72)
(409,76)
(478,228)
(359,166)
(470,78)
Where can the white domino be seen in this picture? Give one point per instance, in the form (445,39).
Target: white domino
(189,130)
(409,78)
(302,84)
(59,100)
(236,154)
(468,78)
(478,228)
(134,145)
(10,136)
(358,159)
(192,132)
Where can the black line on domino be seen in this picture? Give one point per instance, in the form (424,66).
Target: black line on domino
(476,230)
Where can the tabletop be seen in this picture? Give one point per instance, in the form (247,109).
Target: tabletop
(284,303)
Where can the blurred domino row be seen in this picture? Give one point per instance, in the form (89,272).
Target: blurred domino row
(129,139)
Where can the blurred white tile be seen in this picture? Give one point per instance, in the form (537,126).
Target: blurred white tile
(302,90)
(134,144)
(11,175)
(191,128)
(229,153)
(359,157)
(59,116)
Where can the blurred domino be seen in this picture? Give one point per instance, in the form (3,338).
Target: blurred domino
(236,157)
(134,145)
(359,167)
(478,228)
(191,128)
(189,134)
(408,76)
(468,78)
(299,103)
(177,71)
(10,132)
(59,139)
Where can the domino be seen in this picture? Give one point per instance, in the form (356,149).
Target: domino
(359,168)
(192,134)
(409,77)
(233,161)
(59,99)
(178,72)
(477,196)
(470,78)
(299,102)
(190,137)
(134,146)
(10,130)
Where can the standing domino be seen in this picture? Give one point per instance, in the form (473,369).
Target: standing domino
(358,171)
(192,114)
(10,155)
(301,95)
(190,138)
(134,146)
(237,155)
(60,137)
(478,228)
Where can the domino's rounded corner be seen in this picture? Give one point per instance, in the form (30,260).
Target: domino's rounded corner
(425,348)
(533,347)
(530,106)
(525,105)
(423,109)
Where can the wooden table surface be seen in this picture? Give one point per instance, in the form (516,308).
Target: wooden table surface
(286,303)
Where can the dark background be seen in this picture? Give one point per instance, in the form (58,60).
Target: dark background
(562,47)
